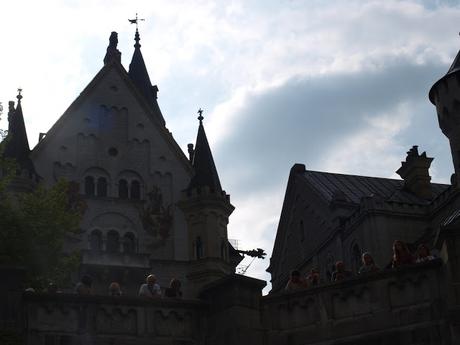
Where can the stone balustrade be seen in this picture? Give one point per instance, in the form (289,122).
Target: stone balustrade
(397,306)
(63,319)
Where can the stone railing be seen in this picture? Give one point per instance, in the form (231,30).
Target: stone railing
(399,306)
(71,319)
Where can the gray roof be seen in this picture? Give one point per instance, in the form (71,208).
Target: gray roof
(203,163)
(356,187)
(455,64)
(140,77)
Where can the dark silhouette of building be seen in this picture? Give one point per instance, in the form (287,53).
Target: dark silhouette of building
(152,209)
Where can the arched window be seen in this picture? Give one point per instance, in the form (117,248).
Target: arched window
(113,241)
(128,243)
(198,248)
(123,189)
(330,266)
(95,241)
(101,186)
(89,185)
(135,190)
(356,257)
(301,231)
(223,250)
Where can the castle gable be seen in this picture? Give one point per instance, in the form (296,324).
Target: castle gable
(109,122)
(125,161)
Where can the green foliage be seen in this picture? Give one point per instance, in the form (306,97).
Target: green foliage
(33,227)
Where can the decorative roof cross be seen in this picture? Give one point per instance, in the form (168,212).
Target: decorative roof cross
(136,21)
(200,117)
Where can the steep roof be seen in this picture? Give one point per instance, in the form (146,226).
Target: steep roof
(455,65)
(203,163)
(140,77)
(100,78)
(356,187)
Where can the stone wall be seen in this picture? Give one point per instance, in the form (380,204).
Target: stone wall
(62,319)
(401,306)
(410,305)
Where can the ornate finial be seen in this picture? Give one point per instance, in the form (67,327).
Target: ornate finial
(113,40)
(19,96)
(200,117)
(136,36)
(112,52)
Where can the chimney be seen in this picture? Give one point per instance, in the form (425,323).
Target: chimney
(414,172)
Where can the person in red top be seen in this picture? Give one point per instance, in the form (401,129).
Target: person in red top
(401,255)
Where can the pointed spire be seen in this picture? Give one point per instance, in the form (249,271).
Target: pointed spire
(139,75)
(203,162)
(16,142)
(455,64)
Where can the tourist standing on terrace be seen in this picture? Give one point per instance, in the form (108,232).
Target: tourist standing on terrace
(423,254)
(151,289)
(368,264)
(401,254)
(296,282)
(340,272)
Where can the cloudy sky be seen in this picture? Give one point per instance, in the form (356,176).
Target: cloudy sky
(340,86)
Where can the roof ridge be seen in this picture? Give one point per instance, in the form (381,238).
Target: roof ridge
(367,177)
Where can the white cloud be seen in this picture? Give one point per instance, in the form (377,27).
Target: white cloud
(375,150)
(221,54)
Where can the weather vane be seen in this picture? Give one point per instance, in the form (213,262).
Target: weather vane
(136,21)
(200,112)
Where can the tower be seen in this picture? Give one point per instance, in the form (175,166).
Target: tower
(445,95)
(17,150)
(207,209)
(140,77)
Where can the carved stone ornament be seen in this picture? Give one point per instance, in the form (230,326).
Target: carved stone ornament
(156,218)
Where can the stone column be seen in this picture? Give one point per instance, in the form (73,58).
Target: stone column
(234,316)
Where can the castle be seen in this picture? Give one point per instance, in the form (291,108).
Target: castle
(151,208)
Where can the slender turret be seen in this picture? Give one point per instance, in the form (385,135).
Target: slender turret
(445,95)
